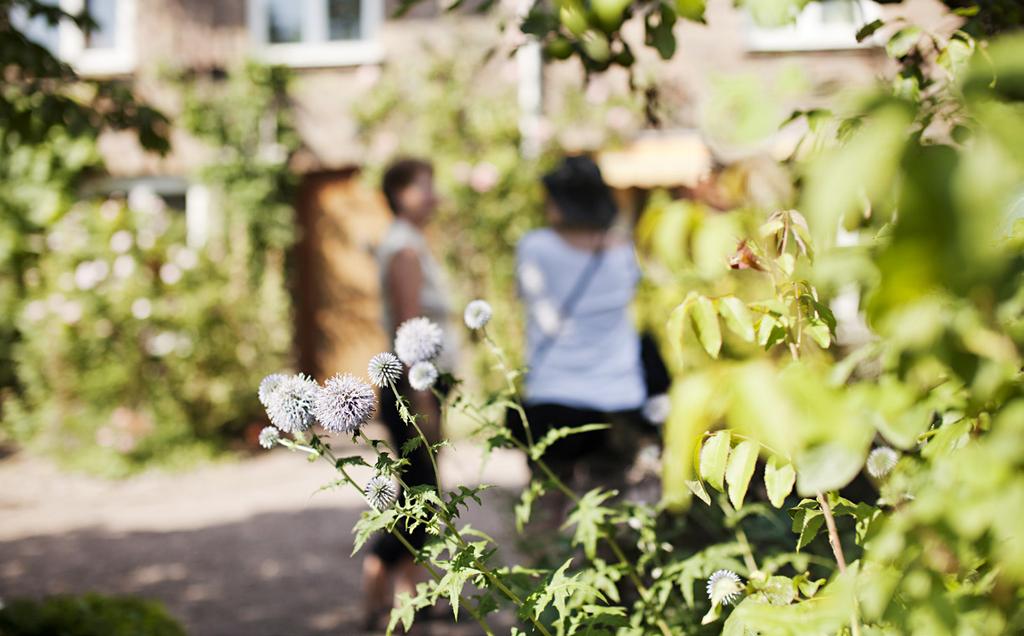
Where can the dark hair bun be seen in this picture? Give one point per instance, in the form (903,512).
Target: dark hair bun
(579,191)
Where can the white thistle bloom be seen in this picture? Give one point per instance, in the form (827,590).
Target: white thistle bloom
(422,376)
(267,386)
(418,339)
(290,403)
(724,587)
(269,436)
(478,313)
(881,461)
(384,369)
(344,404)
(381,492)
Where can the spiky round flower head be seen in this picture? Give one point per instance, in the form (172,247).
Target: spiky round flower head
(422,376)
(381,492)
(384,369)
(418,339)
(344,404)
(724,587)
(881,461)
(478,313)
(269,436)
(267,386)
(290,403)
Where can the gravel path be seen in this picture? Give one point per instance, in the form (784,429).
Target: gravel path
(234,549)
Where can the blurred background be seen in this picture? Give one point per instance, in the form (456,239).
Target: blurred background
(189,202)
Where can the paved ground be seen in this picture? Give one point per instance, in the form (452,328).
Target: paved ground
(233,549)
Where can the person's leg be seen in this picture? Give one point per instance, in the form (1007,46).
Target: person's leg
(390,559)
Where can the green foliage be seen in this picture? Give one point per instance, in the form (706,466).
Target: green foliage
(89,615)
(133,347)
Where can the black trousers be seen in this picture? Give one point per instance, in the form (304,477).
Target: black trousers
(419,472)
(611,449)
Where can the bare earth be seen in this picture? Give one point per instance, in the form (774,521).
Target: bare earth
(233,549)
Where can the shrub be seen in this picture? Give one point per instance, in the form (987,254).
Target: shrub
(88,615)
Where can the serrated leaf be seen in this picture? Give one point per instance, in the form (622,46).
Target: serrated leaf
(737,317)
(813,520)
(779,479)
(705,324)
(410,445)
(713,459)
(739,470)
(589,515)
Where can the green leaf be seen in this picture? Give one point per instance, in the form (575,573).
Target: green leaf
(778,480)
(696,486)
(869,29)
(691,9)
(371,522)
(713,459)
(737,317)
(826,613)
(555,434)
(524,508)
(901,43)
(411,445)
(676,327)
(819,333)
(705,324)
(739,471)
(811,524)
(589,515)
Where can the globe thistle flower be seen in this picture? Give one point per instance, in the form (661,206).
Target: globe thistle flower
(344,404)
(478,313)
(384,369)
(657,408)
(290,403)
(380,492)
(422,376)
(724,587)
(267,386)
(881,461)
(418,339)
(269,436)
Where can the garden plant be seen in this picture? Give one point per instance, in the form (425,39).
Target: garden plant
(887,438)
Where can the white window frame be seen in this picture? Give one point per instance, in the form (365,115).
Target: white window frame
(316,50)
(119,60)
(70,42)
(809,33)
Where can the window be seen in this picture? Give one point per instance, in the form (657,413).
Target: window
(107,49)
(316,32)
(821,26)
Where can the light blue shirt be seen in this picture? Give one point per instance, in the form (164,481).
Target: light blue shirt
(594,359)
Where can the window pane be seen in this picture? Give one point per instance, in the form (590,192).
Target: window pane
(38,29)
(284,21)
(838,12)
(104,34)
(343,19)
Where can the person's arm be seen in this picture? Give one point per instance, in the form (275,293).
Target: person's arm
(404,285)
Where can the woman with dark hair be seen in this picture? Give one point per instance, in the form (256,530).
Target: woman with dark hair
(577,280)
(412,286)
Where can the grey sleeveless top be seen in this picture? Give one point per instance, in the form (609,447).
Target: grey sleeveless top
(434,303)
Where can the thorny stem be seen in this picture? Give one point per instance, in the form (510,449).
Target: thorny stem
(325,452)
(446,519)
(630,568)
(473,611)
